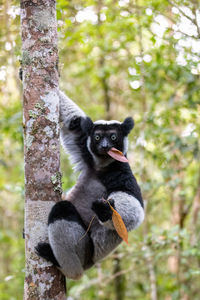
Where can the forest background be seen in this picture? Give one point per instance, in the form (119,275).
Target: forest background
(119,58)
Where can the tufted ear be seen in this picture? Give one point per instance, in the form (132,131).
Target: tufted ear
(86,125)
(127,125)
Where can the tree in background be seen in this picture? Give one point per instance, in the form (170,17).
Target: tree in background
(140,58)
(41,142)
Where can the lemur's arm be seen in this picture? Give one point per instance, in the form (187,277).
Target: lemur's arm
(73,138)
(105,238)
(68,110)
(125,196)
(126,205)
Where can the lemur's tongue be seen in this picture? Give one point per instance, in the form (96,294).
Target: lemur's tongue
(118,155)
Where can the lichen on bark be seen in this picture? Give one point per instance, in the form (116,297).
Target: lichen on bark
(57,182)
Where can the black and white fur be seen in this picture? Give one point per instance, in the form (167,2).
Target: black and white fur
(69,248)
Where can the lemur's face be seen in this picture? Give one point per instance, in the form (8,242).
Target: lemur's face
(105,137)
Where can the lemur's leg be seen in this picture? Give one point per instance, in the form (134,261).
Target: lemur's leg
(73,249)
(105,237)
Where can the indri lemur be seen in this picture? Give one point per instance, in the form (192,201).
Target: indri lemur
(101,176)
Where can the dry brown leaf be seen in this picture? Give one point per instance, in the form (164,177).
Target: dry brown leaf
(119,225)
(118,155)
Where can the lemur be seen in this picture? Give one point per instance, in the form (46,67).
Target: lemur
(72,247)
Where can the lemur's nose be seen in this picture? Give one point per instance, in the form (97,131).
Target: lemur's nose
(105,144)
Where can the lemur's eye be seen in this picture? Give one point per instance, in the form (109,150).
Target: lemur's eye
(97,137)
(113,137)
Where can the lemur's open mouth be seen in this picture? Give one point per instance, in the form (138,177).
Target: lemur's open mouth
(118,155)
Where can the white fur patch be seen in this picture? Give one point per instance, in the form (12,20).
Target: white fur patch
(125,145)
(105,122)
(129,208)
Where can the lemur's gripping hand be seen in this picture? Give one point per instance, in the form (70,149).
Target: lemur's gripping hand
(75,123)
(103,210)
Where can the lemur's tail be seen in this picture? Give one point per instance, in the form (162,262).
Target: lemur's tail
(44,250)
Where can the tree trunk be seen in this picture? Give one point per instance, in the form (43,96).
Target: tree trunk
(41,142)
(119,281)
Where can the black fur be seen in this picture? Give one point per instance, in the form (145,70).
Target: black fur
(103,210)
(64,210)
(81,141)
(119,177)
(88,263)
(44,250)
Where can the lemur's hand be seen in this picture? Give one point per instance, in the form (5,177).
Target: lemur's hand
(75,123)
(103,210)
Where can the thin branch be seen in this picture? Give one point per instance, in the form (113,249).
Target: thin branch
(196,18)
(182,12)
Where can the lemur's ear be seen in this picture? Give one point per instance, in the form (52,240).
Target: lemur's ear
(127,125)
(86,125)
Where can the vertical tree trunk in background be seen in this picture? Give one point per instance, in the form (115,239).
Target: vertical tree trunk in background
(41,142)
(195,213)
(119,281)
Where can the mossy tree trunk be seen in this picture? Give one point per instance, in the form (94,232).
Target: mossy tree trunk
(41,142)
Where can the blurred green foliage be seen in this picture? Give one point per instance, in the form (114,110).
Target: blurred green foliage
(119,58)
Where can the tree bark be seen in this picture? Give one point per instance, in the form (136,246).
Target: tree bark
(195,213)
(41,142)
(119,281)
